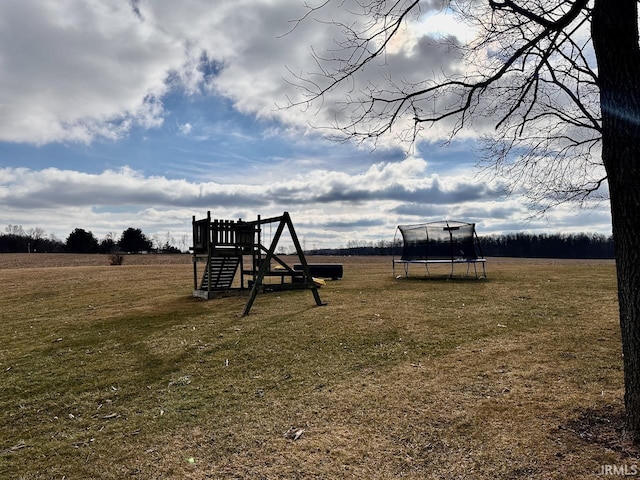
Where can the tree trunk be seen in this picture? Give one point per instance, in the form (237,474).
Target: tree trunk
(615,39)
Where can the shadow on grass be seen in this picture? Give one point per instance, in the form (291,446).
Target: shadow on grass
(604,426)
(442,279)
(128,347)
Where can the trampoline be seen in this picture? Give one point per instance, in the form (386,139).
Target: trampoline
(443,242)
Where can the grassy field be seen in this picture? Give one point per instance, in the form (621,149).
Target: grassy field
(117,372)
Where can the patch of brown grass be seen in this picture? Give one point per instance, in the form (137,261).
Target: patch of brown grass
(113,372)
(48,260)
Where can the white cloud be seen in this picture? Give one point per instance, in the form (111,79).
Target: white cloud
(185,129)
(53,188)
(330,206)
(77,70)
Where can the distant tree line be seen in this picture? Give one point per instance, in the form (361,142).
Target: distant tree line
(581,245)
(525,245)
(17,240)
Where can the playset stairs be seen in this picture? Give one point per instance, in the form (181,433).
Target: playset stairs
(223,270)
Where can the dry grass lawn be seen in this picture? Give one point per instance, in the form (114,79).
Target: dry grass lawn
(118,372)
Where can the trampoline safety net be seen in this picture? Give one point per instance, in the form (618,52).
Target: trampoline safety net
(439,242)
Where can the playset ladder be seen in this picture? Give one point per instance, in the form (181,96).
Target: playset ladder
(220,272)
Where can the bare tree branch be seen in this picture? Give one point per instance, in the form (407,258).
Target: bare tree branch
(527,70)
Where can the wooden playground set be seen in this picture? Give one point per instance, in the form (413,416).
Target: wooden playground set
(226,247)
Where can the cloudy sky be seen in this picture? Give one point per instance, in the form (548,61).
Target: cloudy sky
(117,114)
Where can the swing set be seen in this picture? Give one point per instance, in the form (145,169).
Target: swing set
(228,248)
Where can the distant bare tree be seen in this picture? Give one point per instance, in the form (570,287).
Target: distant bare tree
(109,243)
(36,233)
(14,230)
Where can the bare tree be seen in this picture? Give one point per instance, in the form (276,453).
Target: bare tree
(560,82)
(36,233)
(14,230)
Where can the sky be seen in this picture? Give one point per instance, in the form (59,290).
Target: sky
(143,114)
